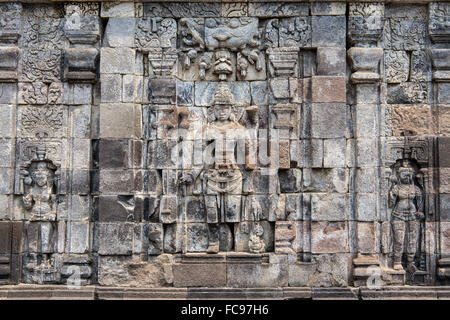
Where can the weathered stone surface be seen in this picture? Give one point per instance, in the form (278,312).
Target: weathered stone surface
(329,120)
(114,162)
(329,237)
(328,89)
(328,31)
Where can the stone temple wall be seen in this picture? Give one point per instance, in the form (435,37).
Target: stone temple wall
(221,144)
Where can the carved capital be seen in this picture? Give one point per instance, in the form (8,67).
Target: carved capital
(441,64)
(8,64)
(365,63)
(81,64)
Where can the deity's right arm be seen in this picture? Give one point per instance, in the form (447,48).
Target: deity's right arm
(392,196)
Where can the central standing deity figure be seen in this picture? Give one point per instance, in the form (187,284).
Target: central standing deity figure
(225,145)
(406,198)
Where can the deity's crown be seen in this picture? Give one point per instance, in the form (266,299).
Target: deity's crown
(223,95)
(406,166)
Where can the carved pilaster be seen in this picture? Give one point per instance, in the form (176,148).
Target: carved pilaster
(82,29)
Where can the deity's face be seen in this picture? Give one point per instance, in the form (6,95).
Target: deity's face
(222,112)
(40,174)
(405,177)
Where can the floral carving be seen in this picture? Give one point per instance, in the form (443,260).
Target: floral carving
(407,34)
(156,33)
(42,122)
(295,32)
(396,66)
(41,65)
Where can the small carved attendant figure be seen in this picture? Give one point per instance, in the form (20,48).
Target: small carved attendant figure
(222,178)
(406,198)
(39,195)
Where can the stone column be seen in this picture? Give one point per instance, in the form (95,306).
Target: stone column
(365,27)
(439,33)
(10,226)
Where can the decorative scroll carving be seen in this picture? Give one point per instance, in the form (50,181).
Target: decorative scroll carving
(42,122)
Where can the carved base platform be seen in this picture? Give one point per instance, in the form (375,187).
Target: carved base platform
(58,292)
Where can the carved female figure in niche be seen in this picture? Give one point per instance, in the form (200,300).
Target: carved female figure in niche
(406,199)
(39,194)
(221,176)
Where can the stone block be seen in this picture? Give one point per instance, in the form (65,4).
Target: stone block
(311,153)
(247,275)
(334,153)
(277,9)
(81,121)
(120,120)
(195,209)
(199,274)
(443,94)
(367,94)
(185,93)
(333,270)
(113,153)
(329,120)
(290,180)
(325,180)
(78,237)
(111,87)
(444,120)
(117,9)
(119,32)
(330,207)
(5,207)
(280,88)
(301,273)
(331,61)
(328,31)
(161,154)
(80,181)
(328,89)
(9,93)
(366,120)
(77,93)
(196,236)
(6,153)
(154,234)
(81,152)
(114,238)
(117,60)
(409,92)
(366,180)
(115,208)
(367,152)
(328,8)
(6,181)
(162,91)
(366,237)
(445,237)
(329,237)
(444,180)
(444,205)
(366,206)
(444,151)
(117,181)
(6,120)
(416,119)
(259,92)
